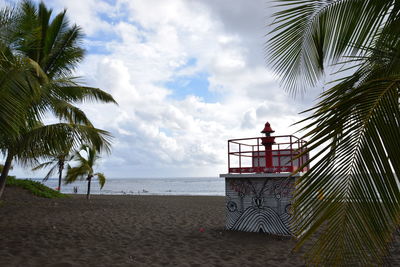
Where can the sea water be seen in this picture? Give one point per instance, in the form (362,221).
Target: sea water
(201,186)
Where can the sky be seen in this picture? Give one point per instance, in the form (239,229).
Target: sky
(187,75)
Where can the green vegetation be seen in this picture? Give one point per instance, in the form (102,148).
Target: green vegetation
(354,130)
(34,188)
(38,53)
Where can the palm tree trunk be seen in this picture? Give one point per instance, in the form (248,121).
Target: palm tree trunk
(60,170)
(88,188)
(4,173)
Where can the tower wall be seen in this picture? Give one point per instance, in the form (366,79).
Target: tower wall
(259,202)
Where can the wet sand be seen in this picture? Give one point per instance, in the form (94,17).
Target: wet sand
(130,231)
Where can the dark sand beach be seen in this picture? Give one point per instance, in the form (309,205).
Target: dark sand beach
(129,231)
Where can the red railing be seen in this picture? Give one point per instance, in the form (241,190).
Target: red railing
(248,155)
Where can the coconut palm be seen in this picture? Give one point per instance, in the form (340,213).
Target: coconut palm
(351,194)
(84,170)
(20,86)
(57,164)
(39,141)
(36,61)
(56,46)
(50,41)
(20,80)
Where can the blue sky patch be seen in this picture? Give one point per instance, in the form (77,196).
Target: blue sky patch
(96,46)
(166,131)
(190,63)
(197,85)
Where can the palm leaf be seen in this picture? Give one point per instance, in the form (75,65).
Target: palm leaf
(19,86)
(55,138)
(54,167)
(71,91)
(360,210)
(102,179)
(66,53)
(76,173)
(68,112)
(310,34)
(44,165)
(349,198)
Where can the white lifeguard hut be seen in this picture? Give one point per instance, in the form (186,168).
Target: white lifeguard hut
(258,184)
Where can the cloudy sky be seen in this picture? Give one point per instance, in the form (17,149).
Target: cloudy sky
(188,75)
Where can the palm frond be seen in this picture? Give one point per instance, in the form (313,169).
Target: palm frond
(349,199)
(44,165)
(7,15)
(102,179)
(310,34)
(54,139)
(66,53)
(82,161)
(76,173)
(72,91)
(52,171)
(358,174)
(69,112)
(19,86)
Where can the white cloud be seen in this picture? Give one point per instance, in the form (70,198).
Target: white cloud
(86,14)
(157,134)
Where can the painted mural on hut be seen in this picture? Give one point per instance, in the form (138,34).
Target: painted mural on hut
(259,205)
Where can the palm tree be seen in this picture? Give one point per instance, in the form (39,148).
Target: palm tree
(36,64)
(51,42)
(57,163)
(20,80)
(39,141)
(354,129)
(20,85)
(85,168)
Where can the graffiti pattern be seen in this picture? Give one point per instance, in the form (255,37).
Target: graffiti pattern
(259,205)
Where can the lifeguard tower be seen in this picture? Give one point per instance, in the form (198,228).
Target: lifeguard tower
(258,184)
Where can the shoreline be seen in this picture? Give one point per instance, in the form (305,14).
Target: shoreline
(145,186)
(100,196)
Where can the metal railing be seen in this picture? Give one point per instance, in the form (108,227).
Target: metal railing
(249,155)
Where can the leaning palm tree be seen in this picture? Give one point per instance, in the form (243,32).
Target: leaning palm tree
(84,170)
(37,57)
(350,198)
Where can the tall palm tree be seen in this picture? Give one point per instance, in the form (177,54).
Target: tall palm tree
(354,129)
(35,79)
(84,170)
(20,86)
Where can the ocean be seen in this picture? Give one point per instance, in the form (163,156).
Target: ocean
(190,186)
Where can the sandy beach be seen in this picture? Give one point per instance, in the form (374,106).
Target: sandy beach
(130,231)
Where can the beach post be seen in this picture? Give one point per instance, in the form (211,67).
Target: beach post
(259,185)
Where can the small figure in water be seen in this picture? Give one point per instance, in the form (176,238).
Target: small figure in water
(75,189)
